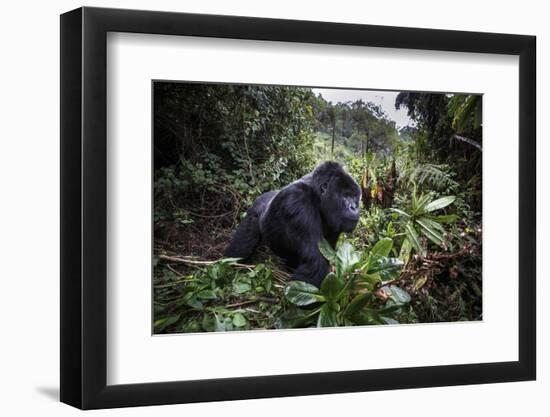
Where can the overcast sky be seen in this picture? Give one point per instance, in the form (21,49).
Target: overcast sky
(385,99)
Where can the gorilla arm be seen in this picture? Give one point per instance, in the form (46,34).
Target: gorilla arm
(248,235)
(292,228)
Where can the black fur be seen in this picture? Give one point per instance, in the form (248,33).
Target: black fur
(292,221)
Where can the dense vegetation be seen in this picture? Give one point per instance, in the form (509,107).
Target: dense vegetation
(414,257)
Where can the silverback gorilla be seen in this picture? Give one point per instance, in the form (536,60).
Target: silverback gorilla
(292,221)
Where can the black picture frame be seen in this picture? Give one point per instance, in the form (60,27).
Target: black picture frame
(84,207)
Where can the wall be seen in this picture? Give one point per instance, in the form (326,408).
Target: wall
(29,238)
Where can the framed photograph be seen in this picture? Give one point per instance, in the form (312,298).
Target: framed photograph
(259,208)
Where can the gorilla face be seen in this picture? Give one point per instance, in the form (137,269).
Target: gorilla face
(340,197)
(350,210)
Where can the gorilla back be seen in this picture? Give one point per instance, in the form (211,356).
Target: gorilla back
(292,221)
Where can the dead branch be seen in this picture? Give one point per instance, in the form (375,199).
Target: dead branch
(252,301)
(187,261)
(179,274)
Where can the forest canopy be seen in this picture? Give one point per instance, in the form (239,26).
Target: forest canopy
(415,255)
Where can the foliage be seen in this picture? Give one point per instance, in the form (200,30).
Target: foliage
(427,176)
(221,296)
(465,111)
(228,144)
(378,183)
(420,221)
(358,127)
(360,291)
(448,132)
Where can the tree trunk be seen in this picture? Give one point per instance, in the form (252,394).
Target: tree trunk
(333,134)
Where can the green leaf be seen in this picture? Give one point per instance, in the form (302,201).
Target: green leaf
(405,252)
(439,203)
(302,294)
(357,304)
(206,295)
(388,320)
(445,218)
(401,212)
(434,238)
(327,317)
(239,320)
(331,286)
(433,224)
(208,323)
(294,318)
(241,287)
(193,302)
(382,263)
(430,232)
(214,270)
(382,247)
(422,204)
(327,251)
(347,256)
(367,316)
(384,268)
(164,322)
(390,309)
(219,324)
(370,280)
(399,295)
(413,237)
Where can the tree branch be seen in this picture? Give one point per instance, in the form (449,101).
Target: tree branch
(467,140)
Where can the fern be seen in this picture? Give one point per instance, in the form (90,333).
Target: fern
(432,176)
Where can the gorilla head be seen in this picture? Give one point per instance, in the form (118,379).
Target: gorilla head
(339,195)
(292,221)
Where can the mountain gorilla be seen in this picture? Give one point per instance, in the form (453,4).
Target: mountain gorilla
(292,221)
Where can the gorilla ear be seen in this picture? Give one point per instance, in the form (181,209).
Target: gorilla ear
(323,187)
